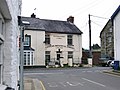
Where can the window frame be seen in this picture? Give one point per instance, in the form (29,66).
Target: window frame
(27,40)
(47,39)
(70,54)
(69,39)
(47,54)
(28,58)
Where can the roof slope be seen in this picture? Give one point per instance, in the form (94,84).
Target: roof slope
(52,26)
(115,13)
(35,23)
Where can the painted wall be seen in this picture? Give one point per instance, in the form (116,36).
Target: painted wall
(59,41)
(37,43)
(10,11)
(117,37)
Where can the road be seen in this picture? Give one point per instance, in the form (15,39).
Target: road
(75,79)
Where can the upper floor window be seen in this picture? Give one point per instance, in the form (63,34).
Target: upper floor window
(110,30)
(27,40)
(70,40)
(47,39)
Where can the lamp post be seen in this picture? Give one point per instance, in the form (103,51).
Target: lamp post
(21,87)
(21,57)
(22,28)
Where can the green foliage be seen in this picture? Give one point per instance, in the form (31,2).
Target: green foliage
(96,46)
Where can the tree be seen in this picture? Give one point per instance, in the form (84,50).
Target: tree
(95,46)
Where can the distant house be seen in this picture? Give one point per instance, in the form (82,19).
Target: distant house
(50,42)
(116,26)
(9,50)
(107,40)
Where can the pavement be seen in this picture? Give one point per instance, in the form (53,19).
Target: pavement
(33,84)
(113,72)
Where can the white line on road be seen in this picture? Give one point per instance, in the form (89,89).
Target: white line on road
(52,85)
(94,82)
(42,73)
(75,84)
(62,83)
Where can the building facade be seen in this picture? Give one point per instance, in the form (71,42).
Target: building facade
(116,25)
(107,40)
(52,42)
(9,59)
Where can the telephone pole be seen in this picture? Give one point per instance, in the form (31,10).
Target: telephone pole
(90,54)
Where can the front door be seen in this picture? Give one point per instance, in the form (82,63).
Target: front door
(58,58)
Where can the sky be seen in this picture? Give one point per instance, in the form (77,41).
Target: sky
(100,11)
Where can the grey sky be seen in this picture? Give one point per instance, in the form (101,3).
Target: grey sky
(62,9)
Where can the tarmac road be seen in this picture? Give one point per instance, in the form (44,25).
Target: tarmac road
(75,79)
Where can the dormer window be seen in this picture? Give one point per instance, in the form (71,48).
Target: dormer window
(27,40)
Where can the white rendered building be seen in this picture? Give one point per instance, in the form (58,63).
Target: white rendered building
(51,42)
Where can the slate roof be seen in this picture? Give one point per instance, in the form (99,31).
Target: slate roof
(35,23)
(52,26)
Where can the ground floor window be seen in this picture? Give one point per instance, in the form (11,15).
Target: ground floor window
(47,57)
(28,58)
(70,54)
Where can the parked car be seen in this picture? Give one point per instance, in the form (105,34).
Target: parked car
(112,63)
(105,61)
(109,62)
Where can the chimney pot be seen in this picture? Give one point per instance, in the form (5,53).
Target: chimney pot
(33,15)
(70,19)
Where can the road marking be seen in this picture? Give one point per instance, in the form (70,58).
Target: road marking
(94,82)
(52,85)
(89,71)
(62,83)
(97,71)
(75,84)
(43,87)
(42,73)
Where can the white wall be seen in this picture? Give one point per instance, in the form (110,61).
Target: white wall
(11,60)
(37,43)
(117,37)
(59,41)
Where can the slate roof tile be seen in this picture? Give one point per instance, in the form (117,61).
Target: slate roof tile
(52,26)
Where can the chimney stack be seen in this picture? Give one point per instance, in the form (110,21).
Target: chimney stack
(33,15)
(70,19)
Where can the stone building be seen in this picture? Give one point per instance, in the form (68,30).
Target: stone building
(107,40)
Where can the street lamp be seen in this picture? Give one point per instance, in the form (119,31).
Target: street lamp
(22,28)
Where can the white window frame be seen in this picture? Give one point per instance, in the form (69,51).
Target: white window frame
(69,39)
(31,58)
(27,41)
(70,54)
